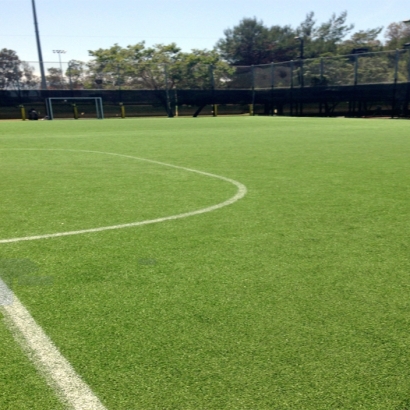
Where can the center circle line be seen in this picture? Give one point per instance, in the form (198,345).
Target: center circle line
(241,192)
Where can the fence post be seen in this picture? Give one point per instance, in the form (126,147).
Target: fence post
(272,86)
(118,77)
(396,69)
(252,108)
(408,65)
(396,65)
(321,82)
(406,107)
(211,76)
(301,86)
(212,80)
(321,71)
(272,75)
(169,109)
(291,74)
(291,88)
(69,77)
(356,67)
(176,102)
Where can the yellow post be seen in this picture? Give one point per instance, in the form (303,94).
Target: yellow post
(122,110)
(23,112)
(250,109)
(215,110)
(75,111)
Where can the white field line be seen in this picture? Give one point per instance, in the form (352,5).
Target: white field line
(239,194)
(56,369)
(40,348)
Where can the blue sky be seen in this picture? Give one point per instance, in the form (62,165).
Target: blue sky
(81,25)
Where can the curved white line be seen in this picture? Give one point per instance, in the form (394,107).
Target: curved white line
(239,194)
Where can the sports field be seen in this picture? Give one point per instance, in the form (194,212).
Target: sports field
(288,289)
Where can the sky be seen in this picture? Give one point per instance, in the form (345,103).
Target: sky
(77,26)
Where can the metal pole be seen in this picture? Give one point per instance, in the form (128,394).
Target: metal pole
(396,69)
(291,88)
(301,57)
(59,52)
(321,83)
(302,80)
(396,65)
(291,74)
(212,80)
(252,110)
(40,55)
(302,47)
(169,108)
(356,67)
(211,76)
(408,64)
(272,83)
(69,76)
(321,71)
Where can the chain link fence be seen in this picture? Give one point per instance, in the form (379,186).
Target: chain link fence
(359,69)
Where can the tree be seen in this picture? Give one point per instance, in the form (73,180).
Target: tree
(397,34)
(283,39)
(77,74)
(156,67)
(249,43)
(134,66)
(15,74)
(29,80)
(55,79)
(334,30)
(201,69)
(366,39)
(252,43)
(323,39)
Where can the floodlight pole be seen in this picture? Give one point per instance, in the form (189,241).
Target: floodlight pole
(59,52)
(40,55)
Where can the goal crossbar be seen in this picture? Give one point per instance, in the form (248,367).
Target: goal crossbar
(97,100)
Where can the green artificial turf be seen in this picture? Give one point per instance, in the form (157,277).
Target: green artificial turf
(21,386)
(295,297)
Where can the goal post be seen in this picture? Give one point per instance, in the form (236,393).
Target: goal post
(73,100)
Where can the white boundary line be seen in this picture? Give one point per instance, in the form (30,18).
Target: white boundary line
(240,194)
(39,346)
(56,369)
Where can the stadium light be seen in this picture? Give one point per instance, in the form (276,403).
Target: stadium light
(59,52)
(40,55)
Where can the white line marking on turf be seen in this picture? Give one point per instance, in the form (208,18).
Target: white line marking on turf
(44,353)
(240,194)
(46,356)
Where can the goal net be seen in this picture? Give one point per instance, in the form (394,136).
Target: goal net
(74,107)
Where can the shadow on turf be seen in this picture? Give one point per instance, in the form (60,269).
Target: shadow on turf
(19,273)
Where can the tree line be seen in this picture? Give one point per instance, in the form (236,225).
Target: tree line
(250,42)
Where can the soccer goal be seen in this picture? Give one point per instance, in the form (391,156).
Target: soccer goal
(74,107)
